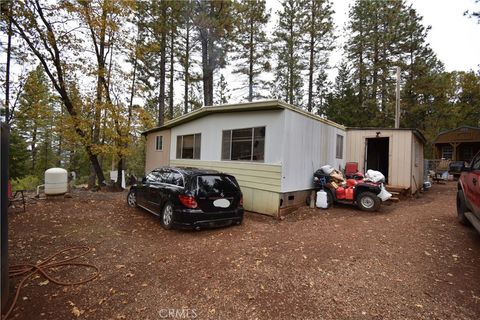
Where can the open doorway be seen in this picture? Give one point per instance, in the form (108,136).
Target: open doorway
(377,155)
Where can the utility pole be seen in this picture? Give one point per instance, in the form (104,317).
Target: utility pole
(397,102)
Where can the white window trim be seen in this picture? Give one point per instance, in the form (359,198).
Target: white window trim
(253,134)
(336,146)
(156,142)
(181,146)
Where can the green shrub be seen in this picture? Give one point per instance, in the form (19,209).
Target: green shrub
(82,180)
(26,183)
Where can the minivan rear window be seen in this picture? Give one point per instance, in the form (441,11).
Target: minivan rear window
(216,184)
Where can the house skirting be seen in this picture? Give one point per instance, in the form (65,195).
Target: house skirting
(260,183)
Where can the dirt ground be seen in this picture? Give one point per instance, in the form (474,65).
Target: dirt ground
(411,260)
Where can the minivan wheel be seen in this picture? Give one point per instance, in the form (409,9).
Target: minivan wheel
(461,208)
(166,218)
(132,199)
(368,201)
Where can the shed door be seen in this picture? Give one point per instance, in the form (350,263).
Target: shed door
(377,155)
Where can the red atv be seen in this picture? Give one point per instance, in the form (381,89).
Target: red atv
(358,192)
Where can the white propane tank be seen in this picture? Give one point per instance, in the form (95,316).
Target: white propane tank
(322,201)
(56,181)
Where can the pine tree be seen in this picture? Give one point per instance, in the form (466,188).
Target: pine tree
(222,93)
(252,47)
(420,71)
(153,29)
(18,155)
(188,45)
(338,105)
(318,28)
(214,22)
(35,114)
(287,47)
(383,35)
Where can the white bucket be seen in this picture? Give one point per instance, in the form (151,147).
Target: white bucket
(322,201)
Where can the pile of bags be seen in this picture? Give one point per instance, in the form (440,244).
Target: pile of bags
(344,187)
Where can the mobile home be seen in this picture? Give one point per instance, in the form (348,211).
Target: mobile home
(271,147)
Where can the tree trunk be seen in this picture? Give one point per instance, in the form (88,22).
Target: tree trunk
(250,69)
(8,117)
(187,67)
(312,59)
(33,146)
(290,66)
(120,167)
(172,54)
(161,95)
(207,71)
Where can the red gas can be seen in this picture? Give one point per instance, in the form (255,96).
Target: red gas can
(349,193)
(340,193)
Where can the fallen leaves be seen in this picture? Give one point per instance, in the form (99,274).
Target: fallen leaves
(44,283)
(77,312)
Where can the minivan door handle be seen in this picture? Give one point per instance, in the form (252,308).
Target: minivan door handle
(474,180)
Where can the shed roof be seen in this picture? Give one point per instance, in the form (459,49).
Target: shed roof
(240,107)
(460,134)
(416,132)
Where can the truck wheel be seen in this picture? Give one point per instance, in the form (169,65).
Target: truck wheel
(461,208)
(368,201)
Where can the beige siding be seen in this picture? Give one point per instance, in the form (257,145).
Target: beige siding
(154,158)
(400,153)
(417,164)
(260,183)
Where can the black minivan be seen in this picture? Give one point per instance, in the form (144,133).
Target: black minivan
(189,197)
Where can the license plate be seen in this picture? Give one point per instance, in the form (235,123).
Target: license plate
(221,203)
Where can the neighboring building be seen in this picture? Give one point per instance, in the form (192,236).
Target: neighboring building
(397,153)
(459,144)
(271,147)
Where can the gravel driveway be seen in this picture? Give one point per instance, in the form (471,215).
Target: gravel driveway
(411,260)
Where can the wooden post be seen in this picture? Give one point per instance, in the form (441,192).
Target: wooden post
(312,199)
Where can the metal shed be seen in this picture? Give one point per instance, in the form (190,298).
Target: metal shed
(397,153)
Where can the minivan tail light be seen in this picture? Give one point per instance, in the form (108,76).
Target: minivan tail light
(188,201)
(240,203)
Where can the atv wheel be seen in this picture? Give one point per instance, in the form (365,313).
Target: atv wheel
(368,201)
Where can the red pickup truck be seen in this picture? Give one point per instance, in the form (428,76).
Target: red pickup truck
(468,194)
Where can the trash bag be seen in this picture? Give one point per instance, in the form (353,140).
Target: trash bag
(384,195)
(374,176)
(322,201)
(327,169)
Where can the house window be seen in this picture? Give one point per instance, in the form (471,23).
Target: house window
(159,143)
(447,152)
(339,152)
(244,144)
(188,146)
(466,153)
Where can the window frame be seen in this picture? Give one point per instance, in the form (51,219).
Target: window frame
(451,152)
(181,137)
(161,143)
(337,156)
(251,141)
